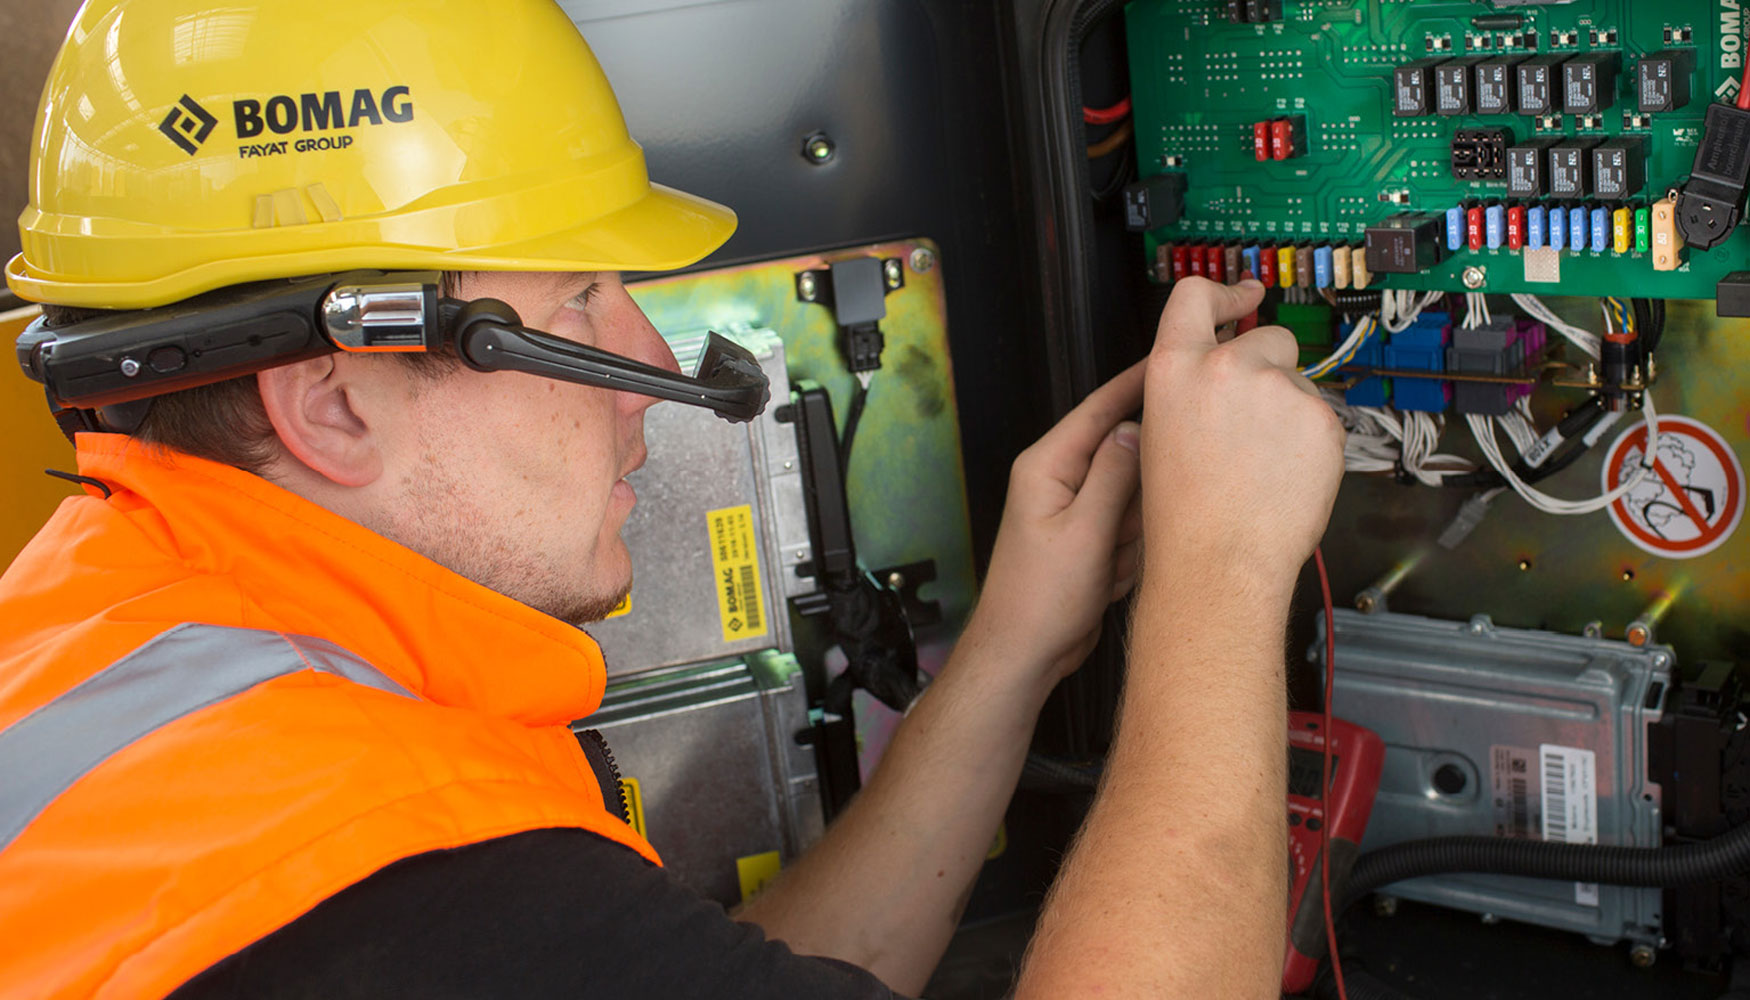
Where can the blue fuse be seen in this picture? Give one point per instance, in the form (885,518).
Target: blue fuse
(1600,229)
(1495,225)
(1577,228)
(1534,219)
(1558,228)
(1252,256)
(1455,228)
(1322,269)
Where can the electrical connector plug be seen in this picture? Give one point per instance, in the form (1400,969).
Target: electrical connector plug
(1712,201)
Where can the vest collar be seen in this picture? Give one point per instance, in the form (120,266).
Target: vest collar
(308,570)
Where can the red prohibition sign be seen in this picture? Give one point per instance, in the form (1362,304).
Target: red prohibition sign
(1712,525)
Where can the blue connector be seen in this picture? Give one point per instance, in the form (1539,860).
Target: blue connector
(1455,228)
(1422,347)
(1534,220)
(1495,226)
(1558,228)
(1577,228)
(1600,230)
(1373,390)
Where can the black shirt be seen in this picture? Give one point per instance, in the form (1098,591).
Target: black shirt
(549,913)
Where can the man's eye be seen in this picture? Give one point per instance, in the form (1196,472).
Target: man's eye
(584,297)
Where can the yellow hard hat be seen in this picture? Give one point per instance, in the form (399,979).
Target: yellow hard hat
(182,147)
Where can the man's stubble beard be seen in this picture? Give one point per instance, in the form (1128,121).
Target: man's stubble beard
(450,528)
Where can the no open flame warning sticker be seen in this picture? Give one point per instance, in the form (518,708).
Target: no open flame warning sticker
(1693,498)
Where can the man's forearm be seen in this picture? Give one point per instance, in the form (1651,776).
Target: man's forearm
(1177,884)
(885,887)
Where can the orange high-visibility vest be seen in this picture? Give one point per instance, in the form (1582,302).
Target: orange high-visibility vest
(221,704)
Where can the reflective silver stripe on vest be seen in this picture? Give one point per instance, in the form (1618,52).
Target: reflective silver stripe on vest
(177,673)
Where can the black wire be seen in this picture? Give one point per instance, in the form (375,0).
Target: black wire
(853,416)
(1126,170)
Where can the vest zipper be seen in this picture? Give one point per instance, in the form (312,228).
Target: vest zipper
(595,748)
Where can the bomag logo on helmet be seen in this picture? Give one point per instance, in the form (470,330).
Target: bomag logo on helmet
(283,114)
(188,124)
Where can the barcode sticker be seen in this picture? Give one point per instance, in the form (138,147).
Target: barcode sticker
(1570,803)
(735,560)
(1515,791)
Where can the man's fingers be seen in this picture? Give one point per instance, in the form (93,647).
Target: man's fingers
(1272,345)
(1113,478)
(1199,305)
(1065,450)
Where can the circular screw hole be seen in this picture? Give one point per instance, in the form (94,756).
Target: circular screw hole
(1628,575)
(1524,565)
(1449,779)
(818,149)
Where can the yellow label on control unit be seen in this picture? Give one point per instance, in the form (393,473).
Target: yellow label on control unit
(622,608)
(735,561)
(756,871)
(634,796)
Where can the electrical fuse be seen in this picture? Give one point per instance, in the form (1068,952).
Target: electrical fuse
(1577,228)
(1285,267)
(1359,275)
(1600,230)
(1181,262)
(1667,244)
(1252,255)
(1558,228)
(1214,264)
(1473,226)
(1455,228)
(1620,230)
(1261,140)
(1303,266)
(1231,255)
(1340,267)
(1267,262)
(1197,260)
(1495,225)
(1281,140)
(1643,230)
(1322,276)
(1535,217)
(1516,227)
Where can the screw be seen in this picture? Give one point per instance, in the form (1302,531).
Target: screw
(130,367)
(922,260)
(1474,277)
(1638,634)
(801,557)
(818,149)
(1643,956)
(894,275)
(896,580)
(805,286)
(1385,906)
(1525,565)
(1366,601)
(1593,630)
(1491,919)
(1592,374)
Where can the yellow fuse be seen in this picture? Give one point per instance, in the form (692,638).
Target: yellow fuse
(1340,267)
(1285,267)
(1622,227)
(1666,243)
(1358,265)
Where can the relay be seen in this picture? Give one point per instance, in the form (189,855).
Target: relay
(1405,244)
(1534,78)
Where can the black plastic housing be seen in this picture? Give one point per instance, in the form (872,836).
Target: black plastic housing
(1712,201)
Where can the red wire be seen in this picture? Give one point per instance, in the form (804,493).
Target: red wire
(1325,780)
(1743,89)
(1106,116)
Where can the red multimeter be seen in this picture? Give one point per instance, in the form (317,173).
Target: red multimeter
(1357,755)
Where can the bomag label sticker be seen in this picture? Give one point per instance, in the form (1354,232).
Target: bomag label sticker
(735,562)
(756,871)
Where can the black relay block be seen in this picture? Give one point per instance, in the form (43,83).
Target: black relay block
(1570,168)
(1405,244)
(1732,295)
(1528,169)
(1411,87)
(1154,202)
(1619,167)
(1494,86)
(1480,153)
(1662,80)
(1535,80)
(1452,86)
(1589,82)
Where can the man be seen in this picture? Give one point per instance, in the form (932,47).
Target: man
(283,699)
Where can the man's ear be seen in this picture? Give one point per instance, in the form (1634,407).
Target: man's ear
(314,408)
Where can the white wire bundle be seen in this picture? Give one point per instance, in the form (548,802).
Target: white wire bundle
(1381,439)
(1585,340)
(1398,308)
(1345,351)
(1484,430)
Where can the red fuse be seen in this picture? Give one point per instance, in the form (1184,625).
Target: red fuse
(1515,228)
(1261,140)
(1281,139)
(1181,262)
(1196,257)
(1267,267)
(1214,267)
(1473,224)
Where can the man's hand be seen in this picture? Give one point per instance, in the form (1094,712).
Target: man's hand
(1068,545)
(1242,458)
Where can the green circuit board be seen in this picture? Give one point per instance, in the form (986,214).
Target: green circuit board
(1199,82)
